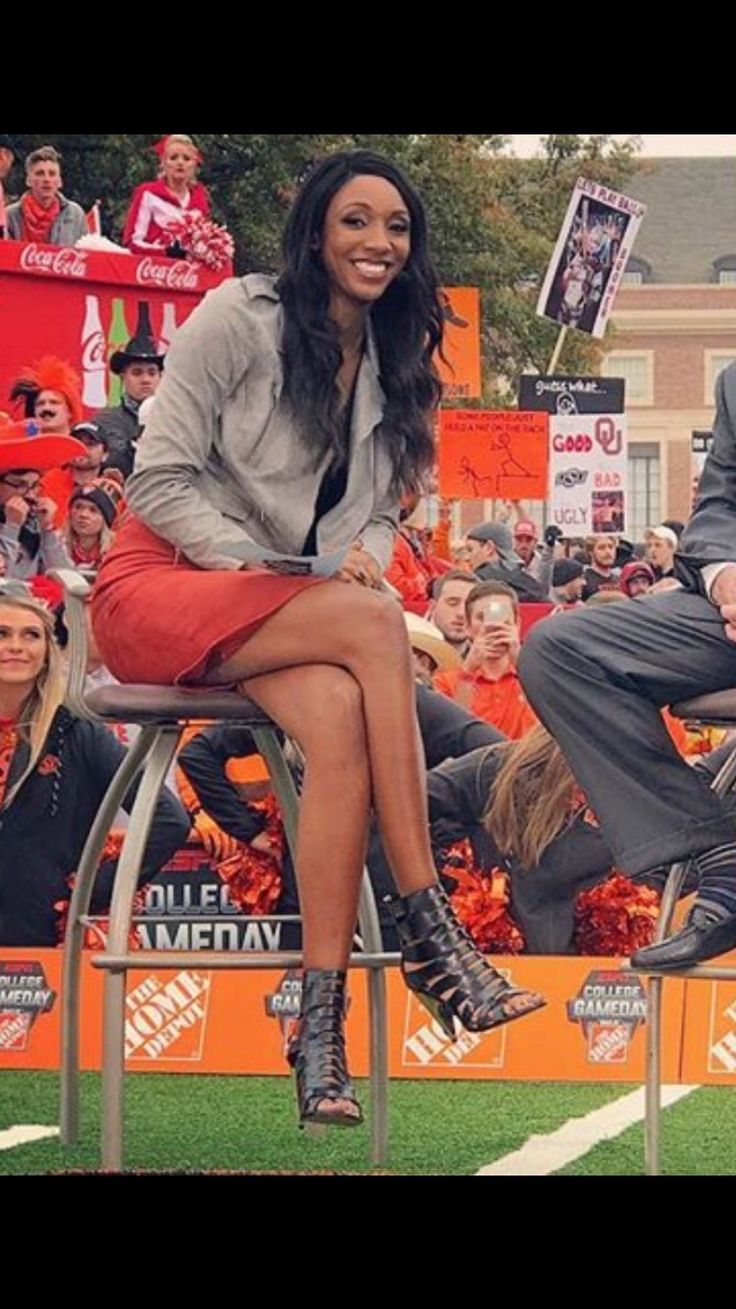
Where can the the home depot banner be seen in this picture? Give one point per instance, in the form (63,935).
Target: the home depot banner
(82,306)
(194,1020)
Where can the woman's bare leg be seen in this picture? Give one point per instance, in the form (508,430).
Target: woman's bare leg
(322,709)
(363,632)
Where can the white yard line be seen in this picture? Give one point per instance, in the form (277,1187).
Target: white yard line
(13,1136)
(542,1155)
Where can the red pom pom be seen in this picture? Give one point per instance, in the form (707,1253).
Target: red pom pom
(203,241)
(480,902)
(616,917)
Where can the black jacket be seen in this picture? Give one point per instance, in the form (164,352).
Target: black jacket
(710,536)
(528,589)
(44,828)
(120,429)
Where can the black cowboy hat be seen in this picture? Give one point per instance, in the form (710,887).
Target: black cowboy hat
(141,347)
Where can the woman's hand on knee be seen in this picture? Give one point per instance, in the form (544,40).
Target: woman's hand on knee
(360,566)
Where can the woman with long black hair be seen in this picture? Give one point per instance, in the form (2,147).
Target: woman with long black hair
(292,416)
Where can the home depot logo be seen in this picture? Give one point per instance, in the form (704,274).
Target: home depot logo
(609,1008)
(24,994)
(722,1039)
(426,1045)
(167,1017)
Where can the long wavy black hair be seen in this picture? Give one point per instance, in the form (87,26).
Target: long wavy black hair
(407,322)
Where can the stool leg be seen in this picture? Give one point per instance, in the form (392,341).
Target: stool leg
(653,1085)
(370,931)
(283,783)
(113,1068)
(74,938)
(653,1075)
(126,882)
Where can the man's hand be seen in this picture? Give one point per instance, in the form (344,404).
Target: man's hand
(264,843)
(45,510)
(16,510)
(503,639)
(723,594)
(217,843)
(552,535)
(495,641)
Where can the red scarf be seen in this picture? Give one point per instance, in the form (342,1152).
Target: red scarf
(82,556)
(8,743)
(37,222)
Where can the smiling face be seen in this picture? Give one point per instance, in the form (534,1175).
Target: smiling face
(22,646)
(366,241)
(52,412)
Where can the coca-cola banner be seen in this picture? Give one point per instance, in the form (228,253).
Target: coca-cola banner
(83,306)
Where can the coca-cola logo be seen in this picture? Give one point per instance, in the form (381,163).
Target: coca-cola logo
(179,276)
(94,354)
(64,262)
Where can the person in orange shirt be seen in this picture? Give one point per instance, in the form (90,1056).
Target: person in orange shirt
(412,568)
(487,685)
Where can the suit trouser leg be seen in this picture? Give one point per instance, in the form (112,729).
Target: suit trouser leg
(597,679)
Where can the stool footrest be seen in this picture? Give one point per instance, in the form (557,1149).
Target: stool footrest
(218,960)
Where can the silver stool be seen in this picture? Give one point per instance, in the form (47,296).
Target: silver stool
(716,710)
(162,714)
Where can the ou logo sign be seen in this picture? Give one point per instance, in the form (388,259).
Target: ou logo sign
(606,434)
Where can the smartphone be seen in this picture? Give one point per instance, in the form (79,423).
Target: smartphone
(498,610)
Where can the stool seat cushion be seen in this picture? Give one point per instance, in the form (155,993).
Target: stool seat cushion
(139,703)
(718,708)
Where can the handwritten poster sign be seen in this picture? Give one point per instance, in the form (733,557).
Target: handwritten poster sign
(493,454)
(589,472)
(460,369)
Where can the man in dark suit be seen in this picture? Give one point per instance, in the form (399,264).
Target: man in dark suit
(598,678)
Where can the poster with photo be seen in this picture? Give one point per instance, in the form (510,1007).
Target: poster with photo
(592,251)
(588,471)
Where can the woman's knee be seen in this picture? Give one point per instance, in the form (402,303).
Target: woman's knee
(375,624)
(332,715)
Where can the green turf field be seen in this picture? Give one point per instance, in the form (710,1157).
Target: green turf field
(202,1124)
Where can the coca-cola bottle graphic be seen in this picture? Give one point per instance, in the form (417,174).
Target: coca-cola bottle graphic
(94,363)
(117,339)
(168,327)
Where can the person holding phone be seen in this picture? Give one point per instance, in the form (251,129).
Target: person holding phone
(487,685)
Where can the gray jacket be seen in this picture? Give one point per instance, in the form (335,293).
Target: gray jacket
(221,464)
(65,230)
(19,564)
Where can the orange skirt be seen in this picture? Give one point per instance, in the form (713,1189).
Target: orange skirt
(158,618)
